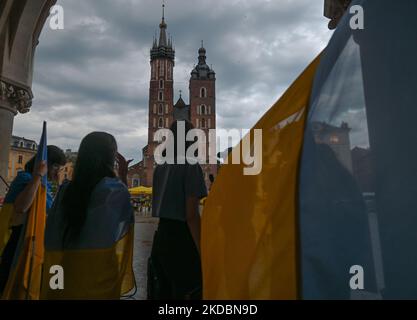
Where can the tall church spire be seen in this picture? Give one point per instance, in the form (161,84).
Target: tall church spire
(163,27)
(164,47)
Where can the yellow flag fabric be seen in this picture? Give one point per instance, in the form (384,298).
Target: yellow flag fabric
(104,274)
(5,215)
(249,237)
(26,272)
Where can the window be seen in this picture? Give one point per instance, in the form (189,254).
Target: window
(203,93)
(20,160)
(154,66)
(161,96)
(209,110)
(162,69)
(169,70)
(135,182)
(161,84)
(161,109)
(334,139)
(21,144)
(203,109)
(154,109)
(203,123)
(161,123)
(166,109)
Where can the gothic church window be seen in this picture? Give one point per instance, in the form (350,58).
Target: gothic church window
(161,123)
(154,70)
(161,84)
(162,69)
(203,109)
(161,109)
(169,70)
(203,93)
(161,96)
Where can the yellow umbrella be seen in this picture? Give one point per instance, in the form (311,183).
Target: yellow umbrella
(140,190)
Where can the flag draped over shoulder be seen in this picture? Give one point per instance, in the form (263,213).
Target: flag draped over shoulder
(249,239)
(25,275)
(97,263)
(358,178)
(332,215)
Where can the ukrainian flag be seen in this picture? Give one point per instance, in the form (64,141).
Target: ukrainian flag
(6,213)
(249,240)
(98,263)
(333,214)
(25,275)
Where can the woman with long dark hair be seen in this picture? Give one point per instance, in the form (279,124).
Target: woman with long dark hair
(90,225)
(177,190)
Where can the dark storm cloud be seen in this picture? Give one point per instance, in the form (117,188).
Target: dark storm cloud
(94,75)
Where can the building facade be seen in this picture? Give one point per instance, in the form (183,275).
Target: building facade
(200,111)
(21,152)
(337,138)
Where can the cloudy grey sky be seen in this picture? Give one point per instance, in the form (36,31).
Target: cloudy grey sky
(94,74)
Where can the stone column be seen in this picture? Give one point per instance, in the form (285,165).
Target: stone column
(13,99)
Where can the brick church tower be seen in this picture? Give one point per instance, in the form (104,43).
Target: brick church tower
(201,111)
(203,103)
(161,93)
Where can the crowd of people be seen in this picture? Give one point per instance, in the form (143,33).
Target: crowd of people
(94,211)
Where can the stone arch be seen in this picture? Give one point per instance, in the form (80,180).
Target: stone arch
(21,23)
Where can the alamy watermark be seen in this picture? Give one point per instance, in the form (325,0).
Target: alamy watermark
(196,147)
(357,20)
(56,22)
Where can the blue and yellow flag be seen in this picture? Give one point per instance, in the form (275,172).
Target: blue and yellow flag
(97,262)
(6,213)
(249,237)
(25,275)
(333,214)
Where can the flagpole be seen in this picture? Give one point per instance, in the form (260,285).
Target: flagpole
(40,157)
(33,240)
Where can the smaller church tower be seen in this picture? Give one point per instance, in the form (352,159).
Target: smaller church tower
(203,101)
